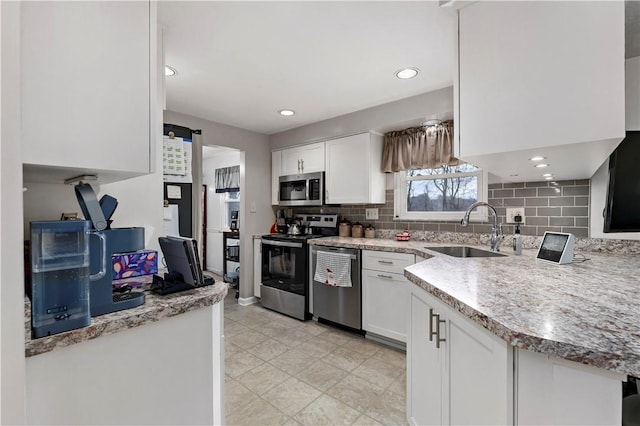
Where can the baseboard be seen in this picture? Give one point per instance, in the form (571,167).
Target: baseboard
(246,301)
(386,341)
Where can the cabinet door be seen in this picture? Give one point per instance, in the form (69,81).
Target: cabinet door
(86,84)
(290,164)
(424,373)
(276,168)
(548,92)
(303,159)
(478,374)
(312,157)
(385,302)
(257,266)
(347,177)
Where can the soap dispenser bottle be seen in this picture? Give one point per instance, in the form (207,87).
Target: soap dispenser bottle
(517,238)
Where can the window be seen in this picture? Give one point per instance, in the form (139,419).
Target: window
(443,193)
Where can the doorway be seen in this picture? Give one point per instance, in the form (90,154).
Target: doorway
(218,207)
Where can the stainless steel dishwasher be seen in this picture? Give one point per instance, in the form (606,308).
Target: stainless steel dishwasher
(338,305)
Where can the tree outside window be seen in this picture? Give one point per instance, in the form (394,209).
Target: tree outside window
(438,194)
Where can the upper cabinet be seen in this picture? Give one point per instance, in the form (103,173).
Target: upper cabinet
(89,83)
(540,78)
(632,78)
(303,159)
(353,173)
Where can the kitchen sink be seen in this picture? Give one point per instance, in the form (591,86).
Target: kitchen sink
(464,251)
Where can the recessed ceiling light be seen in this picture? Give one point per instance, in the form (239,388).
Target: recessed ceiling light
(286,112)
(513,174)
(168,71)
(547,175)
(407,73)
(541,165)
(538,158)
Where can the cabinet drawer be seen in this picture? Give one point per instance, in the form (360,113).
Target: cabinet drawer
(386,261)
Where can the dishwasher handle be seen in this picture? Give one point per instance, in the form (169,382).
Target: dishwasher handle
(354,256)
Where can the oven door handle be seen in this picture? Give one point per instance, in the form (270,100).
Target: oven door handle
(281,244)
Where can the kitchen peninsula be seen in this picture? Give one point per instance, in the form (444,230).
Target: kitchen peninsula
(563,337)
(159,363)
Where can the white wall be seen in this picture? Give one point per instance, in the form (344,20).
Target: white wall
(632,93)
(12,361)
(255,181)
(438,103)
(600,179)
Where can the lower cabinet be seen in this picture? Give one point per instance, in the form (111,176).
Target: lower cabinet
(460,373)
(457,372)
(385,293)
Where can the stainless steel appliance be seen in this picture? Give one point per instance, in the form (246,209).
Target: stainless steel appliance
(285,267)
(306,189)
(339,305)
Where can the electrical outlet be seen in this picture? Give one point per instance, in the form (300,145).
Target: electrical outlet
(371,214)
(512,212)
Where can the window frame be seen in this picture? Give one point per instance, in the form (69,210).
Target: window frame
(400,198)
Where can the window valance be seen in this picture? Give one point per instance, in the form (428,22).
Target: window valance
(418,148)
(228,179)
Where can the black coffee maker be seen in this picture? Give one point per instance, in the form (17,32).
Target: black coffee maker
(281,222)
(234,222)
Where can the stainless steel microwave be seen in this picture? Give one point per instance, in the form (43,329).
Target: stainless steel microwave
(306,189)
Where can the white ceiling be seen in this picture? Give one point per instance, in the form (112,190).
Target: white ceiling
(240,62)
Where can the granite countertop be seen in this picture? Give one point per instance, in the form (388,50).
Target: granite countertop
(583,312)
(154,309)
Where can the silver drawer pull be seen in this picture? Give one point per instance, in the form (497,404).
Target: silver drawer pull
(431,332)
(385,262)
(438,338)
(389,277)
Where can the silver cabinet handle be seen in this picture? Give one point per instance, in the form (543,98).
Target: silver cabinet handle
(438,338)
(431,332)
(298,165)
(385,262)
(302,162)
(389,277)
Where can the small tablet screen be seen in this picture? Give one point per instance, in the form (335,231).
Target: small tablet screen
(552,246)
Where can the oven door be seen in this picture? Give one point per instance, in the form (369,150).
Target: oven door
(284,266)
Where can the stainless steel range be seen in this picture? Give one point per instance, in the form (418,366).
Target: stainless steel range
(285,266)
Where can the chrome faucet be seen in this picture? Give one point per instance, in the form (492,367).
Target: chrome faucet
(496,232)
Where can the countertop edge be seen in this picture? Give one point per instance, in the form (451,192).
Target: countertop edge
(614,362)
(154,309)
(582,355)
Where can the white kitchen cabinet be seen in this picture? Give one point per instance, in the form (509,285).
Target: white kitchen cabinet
(276,167)
(632,93)
(353,170)
(89,83)
(540,78)
(385,294)
(457,372)
(303,159)
(257,266)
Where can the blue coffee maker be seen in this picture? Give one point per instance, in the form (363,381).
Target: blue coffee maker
(103,243)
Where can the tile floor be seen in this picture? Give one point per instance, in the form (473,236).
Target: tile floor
(281,371)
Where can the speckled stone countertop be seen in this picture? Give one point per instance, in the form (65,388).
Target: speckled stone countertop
(154,309)
(583,312)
